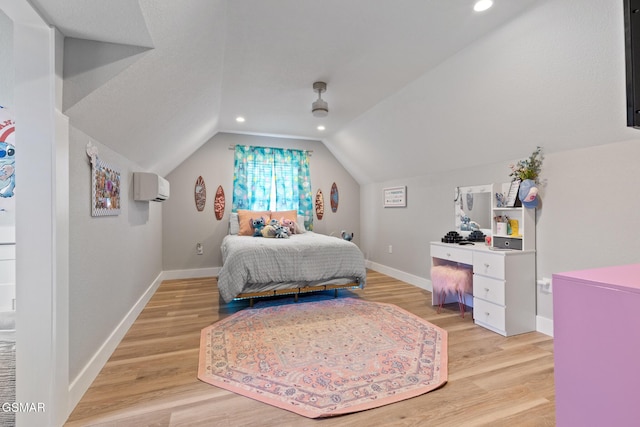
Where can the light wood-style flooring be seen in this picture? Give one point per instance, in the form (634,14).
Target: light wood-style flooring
(151,378)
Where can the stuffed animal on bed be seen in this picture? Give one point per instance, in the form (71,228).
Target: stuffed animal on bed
(289,225)
(275,229)
(257,225)
(282,232)
(269,230)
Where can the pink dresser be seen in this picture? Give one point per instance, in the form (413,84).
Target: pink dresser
(596,321)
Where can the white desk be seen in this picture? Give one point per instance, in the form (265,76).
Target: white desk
(504,284)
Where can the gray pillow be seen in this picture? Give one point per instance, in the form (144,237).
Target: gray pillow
(234,225)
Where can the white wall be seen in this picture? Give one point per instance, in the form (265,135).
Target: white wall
(41,258)
(585,218)
(6,65)
(429,215)
(184,226)
(83,276)
(588,211)
(114,260)
(553,77)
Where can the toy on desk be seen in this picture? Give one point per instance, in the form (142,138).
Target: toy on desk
(515,229)
(467,224)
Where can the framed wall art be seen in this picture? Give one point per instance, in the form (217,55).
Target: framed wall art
(395,197)
(512,195)
(105,186)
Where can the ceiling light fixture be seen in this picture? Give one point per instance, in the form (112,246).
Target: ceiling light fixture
(240,119)
(321,127)
(320,108)
(482,5)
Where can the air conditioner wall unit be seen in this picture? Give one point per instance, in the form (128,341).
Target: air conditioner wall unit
(150,187)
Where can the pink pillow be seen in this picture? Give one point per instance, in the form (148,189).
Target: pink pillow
(291,215)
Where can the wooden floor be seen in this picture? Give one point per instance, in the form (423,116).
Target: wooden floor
(150,380)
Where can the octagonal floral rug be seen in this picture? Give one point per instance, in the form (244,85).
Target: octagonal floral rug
(324,358)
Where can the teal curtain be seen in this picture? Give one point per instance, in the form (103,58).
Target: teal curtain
(293,183)
(256,168)
(286,178)
(253,173)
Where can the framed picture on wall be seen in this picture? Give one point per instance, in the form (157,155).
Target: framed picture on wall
(105,189)
(395,197)
(512,195)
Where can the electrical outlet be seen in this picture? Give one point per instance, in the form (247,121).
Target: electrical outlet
(545,285)
(199,249)
(390,249)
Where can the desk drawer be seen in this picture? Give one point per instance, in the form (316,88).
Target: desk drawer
(488,264)
(452,253)
(488,313)
(489,289)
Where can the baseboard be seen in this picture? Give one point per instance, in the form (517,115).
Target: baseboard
(544,325)
(83,381)
(194,273)
(412,279)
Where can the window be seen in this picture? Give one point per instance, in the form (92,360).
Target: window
(274,179)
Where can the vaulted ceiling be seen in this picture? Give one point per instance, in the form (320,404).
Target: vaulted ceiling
(155,79)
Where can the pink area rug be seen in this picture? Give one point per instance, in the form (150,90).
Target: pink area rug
(324,358)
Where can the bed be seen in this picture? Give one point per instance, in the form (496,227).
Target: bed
(259,267)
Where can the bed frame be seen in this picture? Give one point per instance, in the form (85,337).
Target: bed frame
(296,291)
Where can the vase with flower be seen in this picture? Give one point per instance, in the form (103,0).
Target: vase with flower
(527,171)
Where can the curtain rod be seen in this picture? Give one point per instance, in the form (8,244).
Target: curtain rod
(233,147)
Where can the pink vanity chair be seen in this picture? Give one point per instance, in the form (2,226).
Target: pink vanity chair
(449,279)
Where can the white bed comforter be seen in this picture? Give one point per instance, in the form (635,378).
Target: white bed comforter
(257,263)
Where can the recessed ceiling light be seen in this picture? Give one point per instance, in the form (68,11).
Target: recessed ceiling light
(240,119)
(482,5)
(321,127)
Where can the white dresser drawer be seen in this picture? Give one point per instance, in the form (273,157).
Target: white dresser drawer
(7,296)
(7,271)
(452,253)
(488,264)
(489,289)
(490,314)
(7,251)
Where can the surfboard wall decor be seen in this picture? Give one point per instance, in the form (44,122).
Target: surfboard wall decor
(218,203)
(200,194)
(319,204)
(335,198)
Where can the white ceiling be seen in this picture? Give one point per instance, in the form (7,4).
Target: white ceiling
(155,79)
